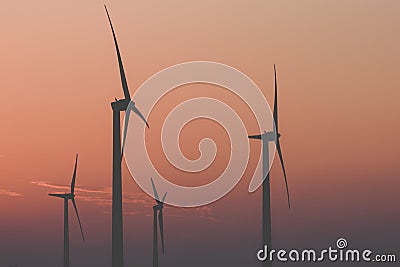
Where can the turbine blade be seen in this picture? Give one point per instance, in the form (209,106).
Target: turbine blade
(74,175)
(163,199)
(127,116)
(255,136)
(155,190)
(131,107)
(278,147)
(121,67)
(161,224)
(77,215)
(134,108)
(57,195)
(276,102)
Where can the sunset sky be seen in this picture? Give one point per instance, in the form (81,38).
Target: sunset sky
(338,64)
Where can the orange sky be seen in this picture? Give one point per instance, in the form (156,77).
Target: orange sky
(338,64)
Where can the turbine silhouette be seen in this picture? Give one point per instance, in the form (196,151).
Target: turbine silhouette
(267,137)
(126,105)
(66,197)
(158,207)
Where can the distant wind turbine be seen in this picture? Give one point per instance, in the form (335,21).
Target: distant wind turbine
(158,207)
(66,197)
(126,105)
(267,137)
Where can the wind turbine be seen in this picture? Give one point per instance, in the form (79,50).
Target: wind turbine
(126,105)
(267,137)
(66,197)
(158,207)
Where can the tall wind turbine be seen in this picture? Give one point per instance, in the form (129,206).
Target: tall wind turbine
(267,137)
(158,207)
(118,106)
(66,197)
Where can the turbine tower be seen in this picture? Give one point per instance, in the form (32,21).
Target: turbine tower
(158,207)
(267,137)
(118,106)
(66,197)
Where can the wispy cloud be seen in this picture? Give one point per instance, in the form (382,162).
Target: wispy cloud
(68,187)
(102,196)
(9,193)
(205,212)
(138,203)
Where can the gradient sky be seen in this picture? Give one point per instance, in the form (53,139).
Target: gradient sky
(338,64)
